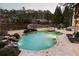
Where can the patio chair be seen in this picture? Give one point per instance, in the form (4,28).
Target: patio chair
(69,35)
(74,39)
(77,35)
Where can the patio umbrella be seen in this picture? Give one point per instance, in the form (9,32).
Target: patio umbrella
(73,27)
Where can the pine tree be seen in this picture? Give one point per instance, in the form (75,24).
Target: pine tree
(58,16)
(67,16)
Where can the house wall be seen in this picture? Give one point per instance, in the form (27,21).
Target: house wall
(75,20)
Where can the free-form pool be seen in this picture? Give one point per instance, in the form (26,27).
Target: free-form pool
(37,40)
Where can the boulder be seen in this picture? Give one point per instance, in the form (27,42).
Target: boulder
(29,30)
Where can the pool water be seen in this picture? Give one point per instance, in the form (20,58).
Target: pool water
(37,40)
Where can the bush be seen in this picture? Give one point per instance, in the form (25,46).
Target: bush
(32,29)
(10,51)
(29,30)
(26,31)
(3,32)
(2,44)
(1,38)
(16,35)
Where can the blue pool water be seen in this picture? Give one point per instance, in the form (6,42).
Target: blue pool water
(37,40)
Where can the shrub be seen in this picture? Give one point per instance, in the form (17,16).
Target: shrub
(2,44)
(1,38)
(32,29)
(3,32)
(26,31)
(29,30)
(16,35)
(10,51)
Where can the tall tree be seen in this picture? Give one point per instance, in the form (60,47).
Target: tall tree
(48,15)
(57,16)
(67,16)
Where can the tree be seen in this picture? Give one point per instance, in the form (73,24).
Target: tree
(24,16)
(69,4)
(48,15)
(57,16)
(67,16)
(24,9)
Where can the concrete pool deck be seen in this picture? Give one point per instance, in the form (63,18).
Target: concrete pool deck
(63,47)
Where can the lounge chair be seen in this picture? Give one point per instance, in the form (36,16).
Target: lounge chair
(77,35)
(74,39)
(69,35)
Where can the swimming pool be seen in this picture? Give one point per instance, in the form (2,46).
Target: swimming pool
(37,40)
